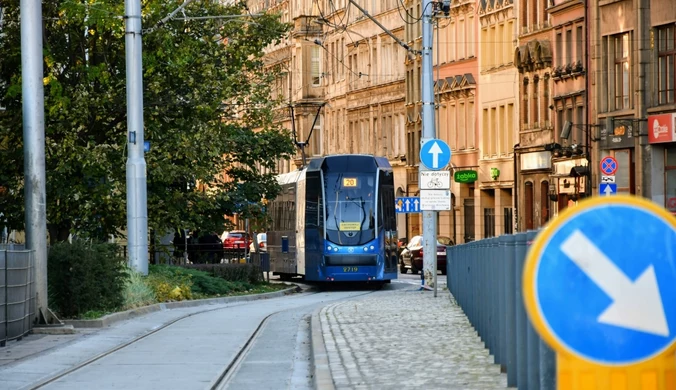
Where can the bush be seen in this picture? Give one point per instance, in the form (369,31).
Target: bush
(85,276)
(168,285)
(245,273)
(201,283)
(137,292)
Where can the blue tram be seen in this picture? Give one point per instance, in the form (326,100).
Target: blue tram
(334,221)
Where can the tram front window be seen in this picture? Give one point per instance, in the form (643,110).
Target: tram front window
(350,208)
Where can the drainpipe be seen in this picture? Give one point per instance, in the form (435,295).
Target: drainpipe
(643,155)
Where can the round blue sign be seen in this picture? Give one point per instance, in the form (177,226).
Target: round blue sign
(605,282)
(435,154)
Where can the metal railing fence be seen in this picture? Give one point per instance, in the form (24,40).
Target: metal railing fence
(17,292)
(485,278)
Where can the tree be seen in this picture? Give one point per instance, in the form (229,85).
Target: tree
(205,91)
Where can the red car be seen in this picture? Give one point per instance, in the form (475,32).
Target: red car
(236,239)
(412,255)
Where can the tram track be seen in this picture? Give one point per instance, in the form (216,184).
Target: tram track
(221,380)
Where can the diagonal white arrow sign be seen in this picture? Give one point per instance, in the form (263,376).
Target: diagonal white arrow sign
(636,305)
(435,151)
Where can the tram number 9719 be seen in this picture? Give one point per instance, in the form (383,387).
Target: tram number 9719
(350,269)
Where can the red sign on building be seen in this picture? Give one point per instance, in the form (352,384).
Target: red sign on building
(661,128)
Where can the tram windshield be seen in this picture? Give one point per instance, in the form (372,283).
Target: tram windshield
(350,208)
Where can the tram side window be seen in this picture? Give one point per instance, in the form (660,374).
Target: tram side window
(289,213)
(387,217)
(314,203)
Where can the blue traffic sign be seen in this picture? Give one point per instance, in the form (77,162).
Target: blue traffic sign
(608,188)
(407,205)
(600,281)
(609,165)
(435,154)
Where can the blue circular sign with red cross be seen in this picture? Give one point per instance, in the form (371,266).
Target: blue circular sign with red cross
(608,166)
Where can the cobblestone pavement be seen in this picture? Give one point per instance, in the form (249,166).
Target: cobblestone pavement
(389,341)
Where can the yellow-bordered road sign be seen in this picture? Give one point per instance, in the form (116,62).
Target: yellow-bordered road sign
(599,283)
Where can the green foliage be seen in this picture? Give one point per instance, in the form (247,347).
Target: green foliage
(201,283)
(85,276)
(245,273)
(137,292)
(168,289)
(205,91)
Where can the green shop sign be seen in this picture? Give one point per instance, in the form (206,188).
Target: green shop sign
(465,176)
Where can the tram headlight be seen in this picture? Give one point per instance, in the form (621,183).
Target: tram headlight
(329,247)
(372,247)
(365,249)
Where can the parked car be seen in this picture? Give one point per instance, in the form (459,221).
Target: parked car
(236,239)
(412,255)
(262,239)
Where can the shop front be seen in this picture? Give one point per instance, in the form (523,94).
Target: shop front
(662,136)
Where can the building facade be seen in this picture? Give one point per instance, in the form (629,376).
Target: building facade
(498,119)
(530,95)
(634,53)
(533,59)
(341,81)
(572,149)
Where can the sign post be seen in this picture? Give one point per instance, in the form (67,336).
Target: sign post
(599,286)
(435,194)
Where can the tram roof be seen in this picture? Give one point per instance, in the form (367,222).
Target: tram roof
(290,177)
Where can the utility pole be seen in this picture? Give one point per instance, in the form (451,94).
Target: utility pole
(34,147)
(137,198)
(428,133)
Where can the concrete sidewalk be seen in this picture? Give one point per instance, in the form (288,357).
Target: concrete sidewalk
(405,339)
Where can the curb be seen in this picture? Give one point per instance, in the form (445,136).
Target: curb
(132,313)
(320,359)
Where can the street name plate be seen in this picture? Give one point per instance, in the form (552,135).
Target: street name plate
(435,200)
(435,180)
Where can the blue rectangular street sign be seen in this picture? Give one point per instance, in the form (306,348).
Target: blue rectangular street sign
(608,189)
(407,205)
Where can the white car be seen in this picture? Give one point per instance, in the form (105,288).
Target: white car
(262,239)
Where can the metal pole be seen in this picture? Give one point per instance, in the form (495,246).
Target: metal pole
(428,133)
(137,211)
(34,145)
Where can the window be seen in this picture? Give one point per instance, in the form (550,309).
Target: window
(315,66)
(489,222)
(621,70)
(535,109)
(524,106)
(528,200)
(579,42)
(316,140)
(569,46)
(508,218)
(559,49)
(666,54)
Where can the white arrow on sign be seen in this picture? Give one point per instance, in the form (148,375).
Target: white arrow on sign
(408,202)
(415,202)
(636,305)
(435,150)
(608,190)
